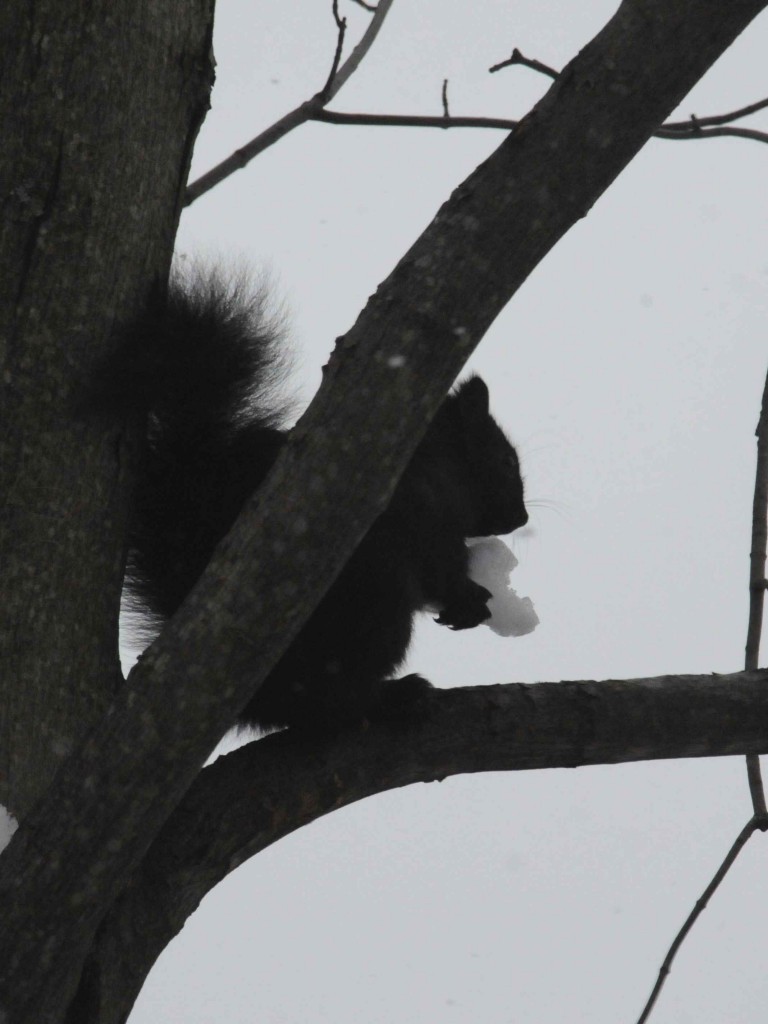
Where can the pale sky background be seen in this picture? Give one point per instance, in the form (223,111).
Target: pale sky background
(629,370)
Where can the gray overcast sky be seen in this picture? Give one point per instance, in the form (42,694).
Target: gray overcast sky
(629,371)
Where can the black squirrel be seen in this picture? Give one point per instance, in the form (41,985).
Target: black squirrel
(202,367)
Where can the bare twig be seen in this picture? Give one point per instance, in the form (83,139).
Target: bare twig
(757,559)
(355,58)
(302,113)
(364,5)
(757,587)
(504,124)
(314,109)
(695,132)
(341,27)
(412,120)
(755,781)
(694,128)
(755,823)
(716,119)
(518,58)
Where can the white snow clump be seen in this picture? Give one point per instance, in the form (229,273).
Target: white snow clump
(490,565)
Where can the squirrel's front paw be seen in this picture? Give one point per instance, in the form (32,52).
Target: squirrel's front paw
(470,611)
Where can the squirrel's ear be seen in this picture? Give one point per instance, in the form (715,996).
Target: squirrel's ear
(472,400)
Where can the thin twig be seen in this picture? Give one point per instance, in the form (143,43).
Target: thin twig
(505,124)
(237,160)
(694,128)
(704,133)
(755,782)
(362,3)
(294,118)
(757,587)
(518,58)
(341,29)
(411,120)
(752,825)
(757,559)
(715,119)
(314,109)
(355,58)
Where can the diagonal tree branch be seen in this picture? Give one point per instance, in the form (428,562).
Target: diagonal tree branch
(384,382)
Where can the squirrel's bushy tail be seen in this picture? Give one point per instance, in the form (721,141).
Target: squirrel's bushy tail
(204,367)
(209,355)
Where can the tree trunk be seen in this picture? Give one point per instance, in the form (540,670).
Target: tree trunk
(100,105)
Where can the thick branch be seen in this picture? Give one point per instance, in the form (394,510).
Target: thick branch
(380,388)
(262,792)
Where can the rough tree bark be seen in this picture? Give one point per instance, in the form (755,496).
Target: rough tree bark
(111,798)
(99,106)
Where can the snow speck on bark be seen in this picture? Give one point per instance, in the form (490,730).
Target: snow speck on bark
(8,826)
